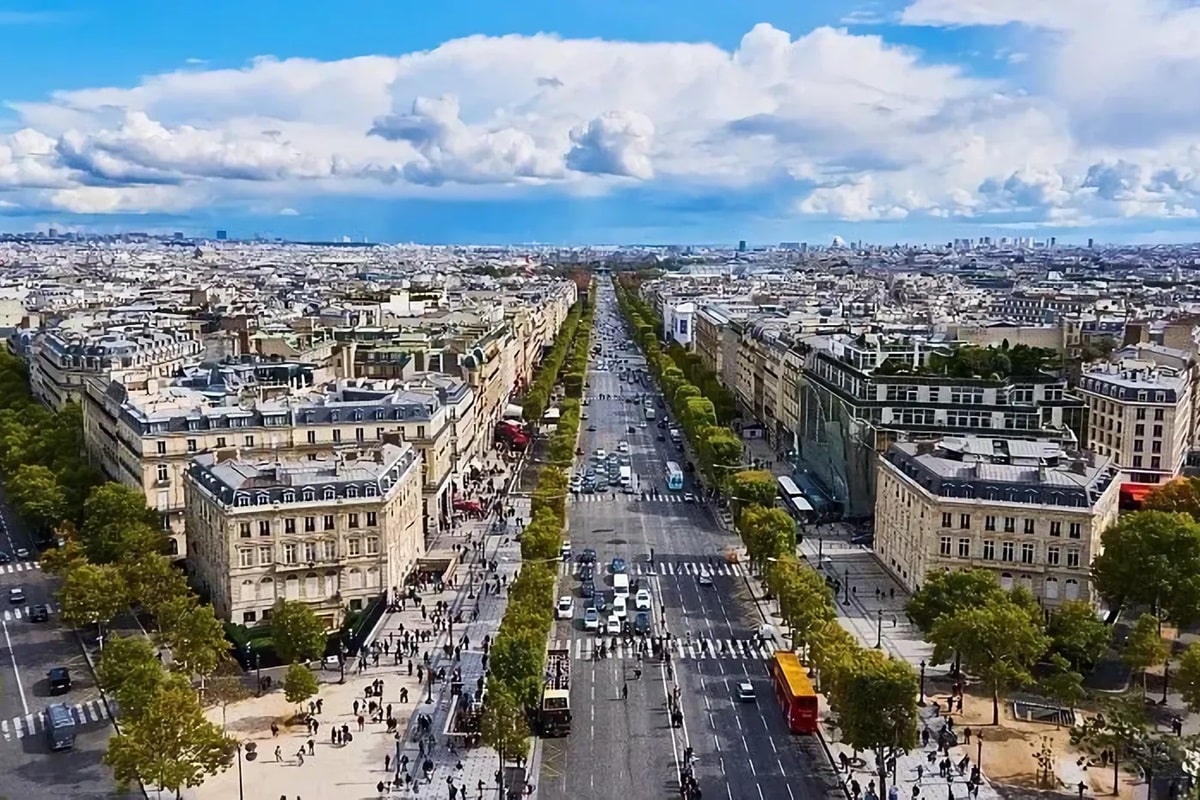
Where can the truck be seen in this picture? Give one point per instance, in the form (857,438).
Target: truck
(554,711)
(649,413)
(60,727)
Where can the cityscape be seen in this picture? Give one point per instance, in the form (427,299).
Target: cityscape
(575,403)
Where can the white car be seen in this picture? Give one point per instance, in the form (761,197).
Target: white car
(565,608)
(600,454)
(614,625)
(705,579)
(641,600)
(619,606)
(591,619)
(622,447)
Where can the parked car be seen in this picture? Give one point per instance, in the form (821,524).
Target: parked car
(565,608)
(641,600)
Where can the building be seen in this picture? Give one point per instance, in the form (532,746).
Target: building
(335,533)
(1142,413)
(145,434)
(1030,511)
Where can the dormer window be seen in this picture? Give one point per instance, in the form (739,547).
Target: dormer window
(370,490)
(330,493)
(289,496)
(241,499)
(309,495)
(263,499)
(351,491)
(379,413)
(357,416)
(333,416)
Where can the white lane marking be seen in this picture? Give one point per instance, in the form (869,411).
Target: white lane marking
(12,657)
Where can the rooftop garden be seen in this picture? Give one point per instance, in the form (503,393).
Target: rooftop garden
(971,362)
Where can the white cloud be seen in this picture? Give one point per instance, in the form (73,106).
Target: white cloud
(854,127)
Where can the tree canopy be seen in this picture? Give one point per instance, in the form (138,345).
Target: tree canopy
(298,633)
(946,593)
(1151,558)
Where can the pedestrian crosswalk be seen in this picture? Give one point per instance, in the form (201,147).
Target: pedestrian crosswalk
(86,713)
(611,496)
(23,612)
(19,566)
(584,648)
(665,567)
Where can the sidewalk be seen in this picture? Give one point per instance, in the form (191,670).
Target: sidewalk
(354,770)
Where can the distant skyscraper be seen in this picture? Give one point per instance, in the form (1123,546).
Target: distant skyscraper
(177,235)
(742,246)
(1053,241)
(1091,243)
(52,233)
(222,235)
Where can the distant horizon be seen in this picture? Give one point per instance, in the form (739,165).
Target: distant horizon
(570,122)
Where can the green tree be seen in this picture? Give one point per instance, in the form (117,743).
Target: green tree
(1145,647)
(170,744)
(1151,558)
(768,533)
(1123,730)
(298,633)
(59,561)
(504,726)
(153,582)
(299,684)
(946,593)
(92,594)
(805,601)
(197,641)
(130,671)
(1187,677)
(1078,634)
(833,649)
(37,496)
(1180,496)
(1062,684)
(755,487)
(117,524)
(998,642)
(875,700)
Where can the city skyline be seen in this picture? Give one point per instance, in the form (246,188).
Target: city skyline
(571,122)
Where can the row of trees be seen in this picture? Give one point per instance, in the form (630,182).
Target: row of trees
(517,660)
(703,406)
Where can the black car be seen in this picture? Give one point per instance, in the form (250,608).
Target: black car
(587,589)
(633,429)
(59,679)
(588,556)
(4,557)
(661,438)
(586,572)
(641,623)
(39,613)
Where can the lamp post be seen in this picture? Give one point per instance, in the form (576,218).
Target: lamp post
(820,548)
(979,749)
(922,700)
(1166,679)
(342,653)
(429,684)
(846,586)
(241,788)
(879,629)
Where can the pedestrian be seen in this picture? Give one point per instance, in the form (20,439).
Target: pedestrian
(311,747)
(387,762)
(278,753)
(300,756)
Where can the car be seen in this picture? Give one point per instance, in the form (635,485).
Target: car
(619,606)
(745,692)
(588,487)
(565,551)
(599,602)
(565,608)
(704,579)
(591,619)
(641,623)
(591,428)
(600,454)
(587,589)
(586,572)
(617,566)
(865,539)
(588,556)
(688,497)
(661,438)
(4,557)
(613,626)
(624,462)
(583,416)
(16,595)
(39,613)
(643,425)
(622,446)
(641,600)
(632,429)
(21,552)
(59,679)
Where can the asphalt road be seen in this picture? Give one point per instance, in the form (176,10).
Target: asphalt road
(28,650)
(627,748)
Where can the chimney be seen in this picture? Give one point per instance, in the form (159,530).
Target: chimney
(226,454)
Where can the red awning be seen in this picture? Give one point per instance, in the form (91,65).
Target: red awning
(1137,491)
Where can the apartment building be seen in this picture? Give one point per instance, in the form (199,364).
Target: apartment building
(1142,413)
(333,532)
(62,359)
(146,434)
(1030,511)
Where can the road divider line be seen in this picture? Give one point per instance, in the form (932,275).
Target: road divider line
(12,656)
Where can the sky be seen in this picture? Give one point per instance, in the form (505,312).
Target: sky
(604,121)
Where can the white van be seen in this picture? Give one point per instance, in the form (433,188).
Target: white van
(620,585)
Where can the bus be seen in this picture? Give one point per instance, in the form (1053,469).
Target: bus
(792,500)
(674,477)
(794,692)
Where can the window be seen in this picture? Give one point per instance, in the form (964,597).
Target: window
(161,448)
(964,548)
(372,545)
(329,550)
(352,520)
(1156,462)
(191,445)
(1075,531)
(1158,430)
(289,525)
(1137,461)
(1156,447)
(249,440)
(249,617)
(1027,552)
(420,431)
(310,551)
(372,519)
(1139,430)
(310,524)
(337,435)
(1140,414)
(1053,555)
(358,434)
(312,437)
(989,523)
(1029,525)
(244,530)
(353,547)
(161,473)
(242,500)
(289,554)
(1010,524)
(265,556)
(221,443)
(264,527)
(1073,558)
(944,546)
(1007,551)
(1056,528)
(989,550)
(947,519)
(329,522)
(1138,445)
(1158,415)
(964,522)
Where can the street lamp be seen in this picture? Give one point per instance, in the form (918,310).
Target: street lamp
(922,700)
(846,586)
(879,629)
(1166,678)
(342,653)
(251,751)
(820,547)
(979,750)
(429,684)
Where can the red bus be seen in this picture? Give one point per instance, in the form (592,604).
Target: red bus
(794,692)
